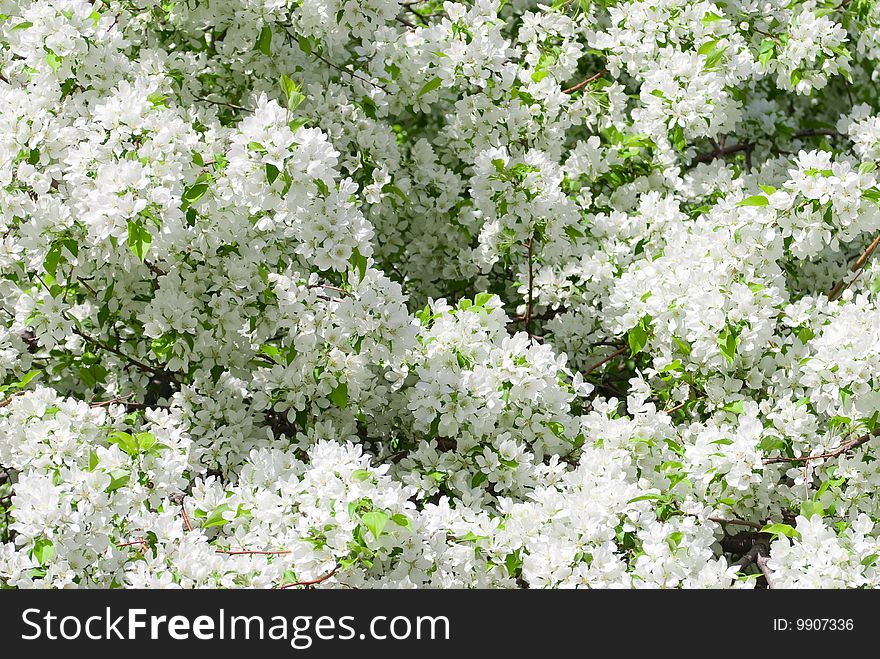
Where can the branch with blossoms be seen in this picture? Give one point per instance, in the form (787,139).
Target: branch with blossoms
(311,582)
(305,241)
(845,447)
(722,150)
(856,269)
(584,83)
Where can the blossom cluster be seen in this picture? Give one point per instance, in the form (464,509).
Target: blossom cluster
(489,293)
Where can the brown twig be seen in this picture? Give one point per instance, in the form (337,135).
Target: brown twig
(758,554)
(186,522)
(329,288)
(225,104)
(816,132)
(245,552)
(857,268)
(737,522)
(131,360)
(152,267)
(312,582)
(140,541)
(118,400)
(843,448)
(722,151)
(584,83)
(528,317)
(749,557)
(675,408)
(761,561)
(8,400)
(604,361)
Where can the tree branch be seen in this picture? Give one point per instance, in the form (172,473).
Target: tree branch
(244,552)
(313,582)
(225,104)
(758,555)
(843,448)
(584,83)
(528,317)
(722,151)
(607,359)
(159,372)
(738,522)
(761,561)
(857,268)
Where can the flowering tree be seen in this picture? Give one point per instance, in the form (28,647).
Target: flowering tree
(376,293)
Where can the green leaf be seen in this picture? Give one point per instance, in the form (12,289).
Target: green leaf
(402,520)
(638,336)
(728,341)
(359,262)
(162,346)
(757,200)
(646,497)
(713,53)
(375,521)
(292,93)
(139,239)
(264,41)
(393,189)
(195,192)
(215,518)
(479,478)
(145,441)
(674,539)
(707,47)
(118,478)
(304,44)
(766,51)
(27,377)
(271,173)
(158,100)
(482,298)
(736,407)
(431,85)
(50,263)
(513,562)
(43,551)
(683,346)
(339,395)
(124,441)
(810,508)
(539,74)
(360,475)
(678,140)
(781,529)
(53,60)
